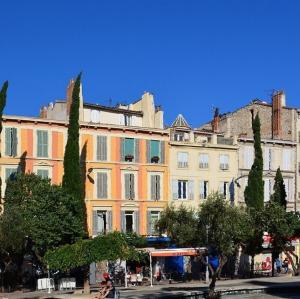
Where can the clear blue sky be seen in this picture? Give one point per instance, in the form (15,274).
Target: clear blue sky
(192,55)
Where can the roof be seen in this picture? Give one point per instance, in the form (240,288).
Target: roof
(180,122)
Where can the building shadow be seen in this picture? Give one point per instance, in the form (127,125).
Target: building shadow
(22,163)
(83,155)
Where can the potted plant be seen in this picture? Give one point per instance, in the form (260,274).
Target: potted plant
(154,159)
(129,158)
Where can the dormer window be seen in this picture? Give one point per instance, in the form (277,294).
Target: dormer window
(127,120)
(178,136)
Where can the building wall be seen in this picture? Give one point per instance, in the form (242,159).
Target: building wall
(113,166)
(213,174)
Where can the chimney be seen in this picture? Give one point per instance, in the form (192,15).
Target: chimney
(278,101)
(43,112)
(215,122)
(69,95)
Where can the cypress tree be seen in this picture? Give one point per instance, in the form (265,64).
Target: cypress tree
(279,195)
(2,105)
(254,192)
(72,180)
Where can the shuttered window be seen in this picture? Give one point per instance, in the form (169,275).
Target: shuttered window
(155,151)
(42,144)
(43,173)
(102,222)
(155,187)
(224,189)
(224,162)
(11,142)
(248,156)
(101,185)
(286,159)
(267,190)
(183,189)
(101,148)
(152,218)
(130,221)
(267,158)
(203,189)
(129,186)
(203,161)
(130,149)
(129,146)
(182,160)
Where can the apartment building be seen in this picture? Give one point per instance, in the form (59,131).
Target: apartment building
(123,153)
(201,162)
(279,144)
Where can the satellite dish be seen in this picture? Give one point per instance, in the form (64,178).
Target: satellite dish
(95,116)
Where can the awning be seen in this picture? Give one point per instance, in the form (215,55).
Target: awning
(177,252)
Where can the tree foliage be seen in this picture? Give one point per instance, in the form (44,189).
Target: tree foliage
(279,195)
(35,208)
(3,92)
(72,179)
(254,191)
(111,247)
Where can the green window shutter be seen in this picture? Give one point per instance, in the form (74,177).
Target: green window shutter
(45,143)
(162,152)
(154,148)
(8,151)
(109,221)
(123,221)
(129,146)
(153,187)
(95,223)
(137,150)
(122,147)
(137,221)
(127,186)
(148,151)
(14,142)
(149,229)
(42,143)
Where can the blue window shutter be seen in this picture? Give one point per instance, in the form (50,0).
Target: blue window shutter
(109,221)
(123,222)
(127,186)
(132,189)
(157,187)
(137,221)
(137,150)
(148,151)
(45,137)
(162,152)
(153,187)
(95,223)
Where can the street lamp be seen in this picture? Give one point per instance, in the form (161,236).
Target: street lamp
(207,271)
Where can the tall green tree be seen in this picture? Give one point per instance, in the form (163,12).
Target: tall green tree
(279,195)
(3,92)
(35,208)
(254,191)
(72,178)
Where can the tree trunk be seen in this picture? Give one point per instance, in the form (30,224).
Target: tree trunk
(212,285)
(252,266)
(237,261)
(86,282)
(272,260)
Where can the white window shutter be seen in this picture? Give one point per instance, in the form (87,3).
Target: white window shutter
(175,189)
(266,190)
(201,189)
(191,189)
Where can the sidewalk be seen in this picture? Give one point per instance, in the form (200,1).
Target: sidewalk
(178,289)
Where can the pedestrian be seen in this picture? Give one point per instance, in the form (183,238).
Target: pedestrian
(285,265)
(107,289)
(278,265)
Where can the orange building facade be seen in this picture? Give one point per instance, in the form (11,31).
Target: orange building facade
(125,164)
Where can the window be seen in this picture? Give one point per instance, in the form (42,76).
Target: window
(203,189)
(182,160)
(203,161)
(102,222)
(101,148)
(286,159)
(224,162)
(155,187)
(155,151)
(267,158)
(10,173)
(129,149)
(130,221)
(267,189)
(153,217)
(288,184)
(127,120)
(248,156)
(129,186)
(43,173)
(42,144)
(11,142)
(101,185)
(178,136)
(224,189)
(182,189)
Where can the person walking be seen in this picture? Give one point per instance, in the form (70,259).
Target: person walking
(278,265)
(107,289)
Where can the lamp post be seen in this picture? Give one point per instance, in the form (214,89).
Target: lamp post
(207,271)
